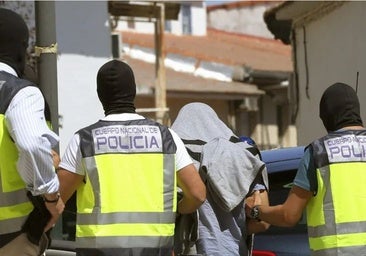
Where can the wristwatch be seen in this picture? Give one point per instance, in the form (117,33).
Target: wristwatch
(254,213)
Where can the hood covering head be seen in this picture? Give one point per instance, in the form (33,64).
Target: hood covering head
(116,87)
(13,40)
(339,107)
(231,168)
(203,123)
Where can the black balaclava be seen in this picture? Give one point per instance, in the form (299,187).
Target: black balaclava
(339,107)
(116,87)
(13,40)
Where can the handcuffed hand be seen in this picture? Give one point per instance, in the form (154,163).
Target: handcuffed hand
(251,201)
(55,210)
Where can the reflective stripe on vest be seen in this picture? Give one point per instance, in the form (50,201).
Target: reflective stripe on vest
(129,199)
(14,204)
(337,214)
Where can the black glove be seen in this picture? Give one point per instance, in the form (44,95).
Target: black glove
(37,220)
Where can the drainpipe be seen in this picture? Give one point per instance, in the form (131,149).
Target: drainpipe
(46,50)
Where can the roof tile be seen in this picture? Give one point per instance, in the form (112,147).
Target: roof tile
(222,47)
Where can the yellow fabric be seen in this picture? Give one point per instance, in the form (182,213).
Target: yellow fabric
(349,205)
(133,180)
(126,229)
(10,178)
(328,242)
(118,184)
(314,210)
(175,202)
(128,183)
(49,124)
(347,208)
(349,199)
(85,197)
(15,211)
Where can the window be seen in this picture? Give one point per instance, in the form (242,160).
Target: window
(186,19)
(168,26)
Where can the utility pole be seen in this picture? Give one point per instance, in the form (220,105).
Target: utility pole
(158,11)
(46,50)
(160,80)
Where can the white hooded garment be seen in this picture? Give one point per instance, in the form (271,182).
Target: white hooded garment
(229,171)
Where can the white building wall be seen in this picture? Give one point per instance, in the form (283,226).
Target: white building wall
(266,131)
(198,21)
(335,49)
(145,26)
(176,25)
(84,40)
(244,20)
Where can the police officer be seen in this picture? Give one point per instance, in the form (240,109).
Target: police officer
(126,168)
(25,150)
(330,181)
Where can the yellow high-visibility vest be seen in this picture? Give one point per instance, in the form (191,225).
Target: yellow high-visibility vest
(336,215)
(14,204)
(129,196)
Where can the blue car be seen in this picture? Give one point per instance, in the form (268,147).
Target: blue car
(282,165)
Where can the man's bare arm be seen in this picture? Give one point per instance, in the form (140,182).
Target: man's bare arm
(69,182)
(194,191)
(289,213)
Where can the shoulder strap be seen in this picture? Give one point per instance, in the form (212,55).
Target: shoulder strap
(252,149)
(194,142)
(195,155)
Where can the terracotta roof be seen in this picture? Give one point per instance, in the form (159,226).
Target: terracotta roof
(222,47)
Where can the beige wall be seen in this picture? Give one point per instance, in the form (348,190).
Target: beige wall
(274,128)
(335,52)
(175,104)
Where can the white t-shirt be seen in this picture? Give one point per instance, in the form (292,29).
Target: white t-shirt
(71,160)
